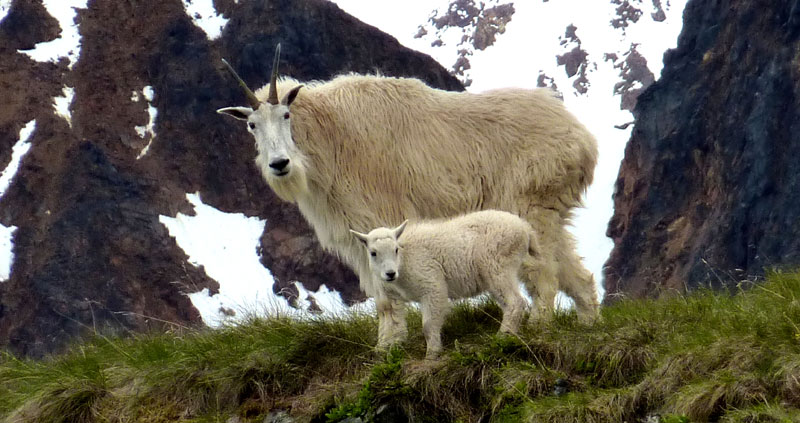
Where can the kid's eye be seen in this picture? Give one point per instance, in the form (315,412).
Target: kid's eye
(286,115)
(251,125)
(396,250)
(372,253)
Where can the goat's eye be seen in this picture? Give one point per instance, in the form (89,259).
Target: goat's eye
(251,125)
(372,253)
(286,115)
(396,250)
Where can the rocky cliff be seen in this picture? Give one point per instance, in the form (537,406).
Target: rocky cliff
(90,253)
(709,189)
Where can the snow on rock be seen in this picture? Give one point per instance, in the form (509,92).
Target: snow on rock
(6,251)
(324,300)
(6,176)
(465,26)
(457,29)
(205,16)
(17,152)
(226,245)
(5,7)
(62,104)
(657,32)
(68,44)
(146,130)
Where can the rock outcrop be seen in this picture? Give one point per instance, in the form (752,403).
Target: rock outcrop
(90,252)
(709,191)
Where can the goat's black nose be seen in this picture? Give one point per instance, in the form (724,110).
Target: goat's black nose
(390,275)
(279,164)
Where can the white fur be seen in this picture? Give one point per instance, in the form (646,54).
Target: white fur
(368,151)
(431,261)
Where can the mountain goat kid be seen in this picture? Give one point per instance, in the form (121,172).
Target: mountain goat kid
(432,261)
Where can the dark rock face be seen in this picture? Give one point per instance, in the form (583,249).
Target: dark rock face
(90,252)
(709,190)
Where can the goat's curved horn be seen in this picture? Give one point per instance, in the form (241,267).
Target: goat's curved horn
(251,97)
(273,80)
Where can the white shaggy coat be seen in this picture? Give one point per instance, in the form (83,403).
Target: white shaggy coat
(367,151)
(432,261)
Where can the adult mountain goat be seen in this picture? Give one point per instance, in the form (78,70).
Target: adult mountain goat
(367,151)
(431,262)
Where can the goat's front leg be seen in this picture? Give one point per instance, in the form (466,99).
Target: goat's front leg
(392,327)
(434,311)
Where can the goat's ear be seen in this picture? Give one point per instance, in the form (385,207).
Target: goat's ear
(287,101)
(361,237)
(241,113)
(399,230)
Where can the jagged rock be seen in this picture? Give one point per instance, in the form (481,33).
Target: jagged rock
(709,190)
(278,416)
(626,13)
(561,387)
(574,61)
(390,413)
(479,23)
(90,252)
(635,77)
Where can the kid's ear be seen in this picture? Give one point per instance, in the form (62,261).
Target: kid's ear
(241,113)
(287,101)
(361,237)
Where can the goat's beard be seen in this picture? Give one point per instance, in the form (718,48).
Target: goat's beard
(291,186)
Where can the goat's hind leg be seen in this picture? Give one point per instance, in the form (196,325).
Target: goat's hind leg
(505,290)
(578,283)
(540,279)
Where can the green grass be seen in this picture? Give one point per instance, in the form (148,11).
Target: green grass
(702,357)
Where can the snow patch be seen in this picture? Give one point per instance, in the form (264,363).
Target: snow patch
(68,44)
(205,17)
(6,176)
(17,152)
(226,245)
(145,130)
(325,299)
(5,7)
(462,27)
(6,251)
(401,23)
(61,104)
(148,93)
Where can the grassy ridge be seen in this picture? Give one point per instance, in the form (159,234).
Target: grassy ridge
(703,357)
